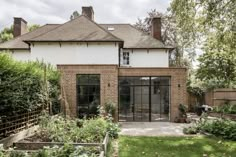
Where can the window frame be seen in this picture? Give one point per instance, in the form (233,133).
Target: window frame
(88,85)
(126,59)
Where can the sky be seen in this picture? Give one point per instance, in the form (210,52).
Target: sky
(59,11)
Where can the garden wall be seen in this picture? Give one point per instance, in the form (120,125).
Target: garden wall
(220,96)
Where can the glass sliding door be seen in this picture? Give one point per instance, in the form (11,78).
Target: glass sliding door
(160,98)
(144,98)
(88,95)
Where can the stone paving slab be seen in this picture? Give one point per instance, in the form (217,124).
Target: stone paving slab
(152,128)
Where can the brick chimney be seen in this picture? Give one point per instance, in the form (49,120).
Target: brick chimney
(88,11)
(19,26)
(156,28)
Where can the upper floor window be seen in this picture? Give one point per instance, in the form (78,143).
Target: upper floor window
(125,58)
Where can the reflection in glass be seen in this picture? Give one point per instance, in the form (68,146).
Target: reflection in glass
(88,95)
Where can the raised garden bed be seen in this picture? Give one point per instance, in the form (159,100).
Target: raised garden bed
(29,145)
(223,115)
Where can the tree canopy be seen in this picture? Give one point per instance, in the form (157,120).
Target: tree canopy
(210,24)
(74,15)
(7,33)
(170,36)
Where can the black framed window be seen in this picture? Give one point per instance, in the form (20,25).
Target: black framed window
(88,95)
(125,58)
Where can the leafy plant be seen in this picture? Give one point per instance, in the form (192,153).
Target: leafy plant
(110,108)
(226,108)
(182,111)
(67,150)
(61,129)
(23,85)
(219,127)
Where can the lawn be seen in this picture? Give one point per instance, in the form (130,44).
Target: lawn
(198,146)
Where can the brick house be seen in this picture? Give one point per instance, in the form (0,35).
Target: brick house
(103,63)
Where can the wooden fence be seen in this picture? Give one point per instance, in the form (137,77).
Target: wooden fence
(220,96)
(13,124)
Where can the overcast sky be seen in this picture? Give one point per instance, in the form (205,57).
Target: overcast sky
(59,11)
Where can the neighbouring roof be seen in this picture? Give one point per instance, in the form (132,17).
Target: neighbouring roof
(18,43)
(79,29)
(83,29)
(133,38)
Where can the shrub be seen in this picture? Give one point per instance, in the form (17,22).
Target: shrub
(60,129)
(226,108)
(110,108)
(22,85)
(219,127)
(191,130)
(182,110)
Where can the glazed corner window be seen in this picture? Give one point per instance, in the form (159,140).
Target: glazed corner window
(125,58)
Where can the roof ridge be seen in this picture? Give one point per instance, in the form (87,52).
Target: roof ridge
(55,28)
(103,28)
(114,24)
(71,21)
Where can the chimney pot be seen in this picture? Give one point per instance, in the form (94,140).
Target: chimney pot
(156,28)
(88,11)
(19,26)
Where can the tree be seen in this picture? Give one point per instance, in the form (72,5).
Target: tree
(7,33)
(217,69)
(33,27)
(210,24)
(74,15)
(170,36)
(200,21)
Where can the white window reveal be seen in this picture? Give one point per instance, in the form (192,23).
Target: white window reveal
(125,58)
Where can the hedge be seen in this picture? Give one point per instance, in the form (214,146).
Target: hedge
(25,86)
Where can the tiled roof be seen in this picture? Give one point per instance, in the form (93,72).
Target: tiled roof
(133,38)
(79,29)
(83,29)
(18,43)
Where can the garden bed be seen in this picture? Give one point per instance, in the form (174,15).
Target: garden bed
(28,144)
(223,115)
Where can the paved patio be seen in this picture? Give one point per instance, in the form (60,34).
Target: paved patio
(152,128)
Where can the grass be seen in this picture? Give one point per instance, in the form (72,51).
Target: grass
(197,146)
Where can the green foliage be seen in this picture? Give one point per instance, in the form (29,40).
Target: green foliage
(195,86)
(219,127)
(226,108)
(60,129)
(74,15)
(22,86)
(67,150)
(110,108)
(217,69)
(113,129)
(191,130)
(171,36)
(182,110)
(6,34)
(33,27)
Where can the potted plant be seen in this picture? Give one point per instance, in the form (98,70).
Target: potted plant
(182,114)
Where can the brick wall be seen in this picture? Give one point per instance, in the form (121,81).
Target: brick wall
(178,77)
(108,83)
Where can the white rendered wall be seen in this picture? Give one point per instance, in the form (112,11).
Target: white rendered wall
(76,53)
(21,55)
(148,58)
